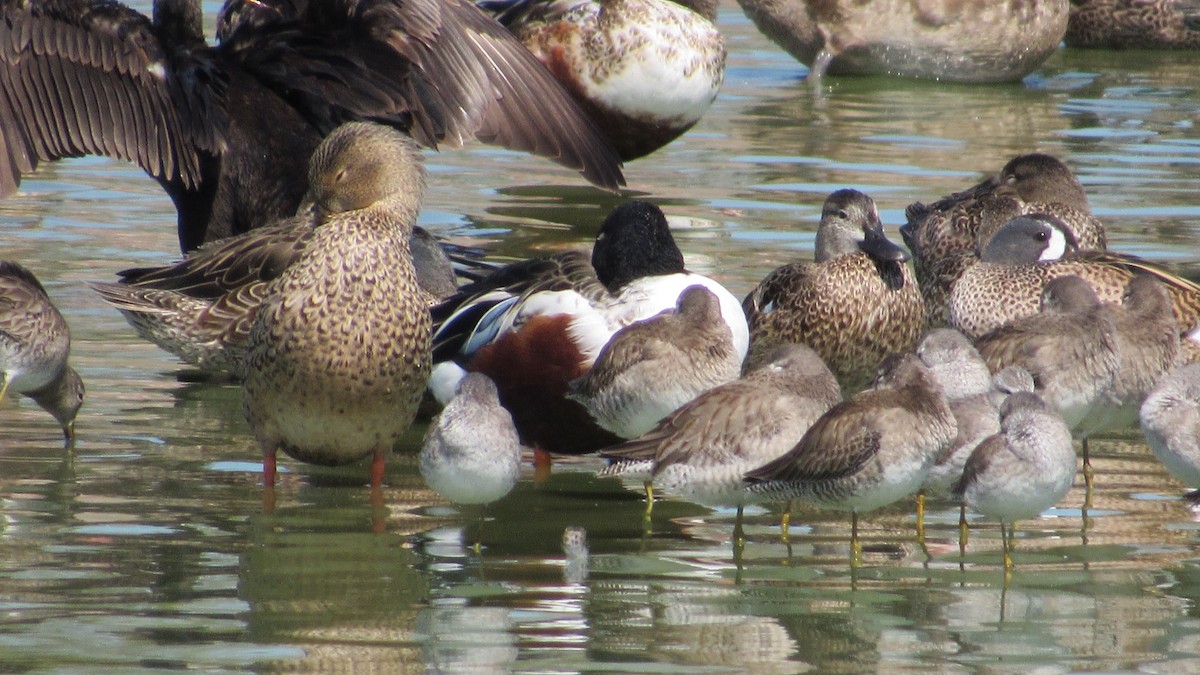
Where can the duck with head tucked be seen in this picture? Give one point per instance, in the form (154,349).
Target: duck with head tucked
(227,129)
(645,70)
(949,234)
(855,304)
(35,343)
(536,325)
(945,40)
(338,352)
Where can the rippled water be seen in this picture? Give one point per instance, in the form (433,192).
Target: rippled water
(148,547)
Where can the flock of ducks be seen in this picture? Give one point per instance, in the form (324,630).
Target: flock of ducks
(849,382)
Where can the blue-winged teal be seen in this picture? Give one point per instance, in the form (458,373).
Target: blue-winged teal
(1170,418)
(338,353)
(871,450)
(227,130)
(855,305)
(701,451)
(651,367)
(951,233)
(646,70)
(536,325)
(35,343)
(1134,24)
(1024,469)
(471,453)
(948,40)
(1029,251)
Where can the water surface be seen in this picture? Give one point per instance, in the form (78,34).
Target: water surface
(147,547)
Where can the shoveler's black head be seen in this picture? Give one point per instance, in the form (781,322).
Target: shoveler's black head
(635,242)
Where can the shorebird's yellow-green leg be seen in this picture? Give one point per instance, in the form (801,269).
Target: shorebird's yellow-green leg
(855,544)
(921,516)
(785,522)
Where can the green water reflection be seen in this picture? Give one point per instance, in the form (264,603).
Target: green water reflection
(148,547)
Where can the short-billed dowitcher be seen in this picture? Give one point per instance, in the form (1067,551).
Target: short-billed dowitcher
(35,343)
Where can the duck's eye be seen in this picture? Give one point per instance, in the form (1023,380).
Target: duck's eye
(1043,236)
(843,214)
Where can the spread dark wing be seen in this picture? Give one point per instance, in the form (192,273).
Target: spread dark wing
(441,68)
(80,77)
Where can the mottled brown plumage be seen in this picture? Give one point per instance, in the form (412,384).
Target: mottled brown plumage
(1134,24)
(855,305)
(947,236)
(339,351)
(35,344)
(999,289)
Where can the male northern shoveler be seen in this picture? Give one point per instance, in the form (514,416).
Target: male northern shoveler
(646,70)
(535,326)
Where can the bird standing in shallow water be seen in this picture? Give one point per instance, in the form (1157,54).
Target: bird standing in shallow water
(854,305)
(701,451)
(1023,470)
(227,130)
(339,352)
(867,451)
(1170,419)
(471,453)
(34,345)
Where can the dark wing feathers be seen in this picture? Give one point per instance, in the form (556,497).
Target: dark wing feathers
(838,444)
(80,78)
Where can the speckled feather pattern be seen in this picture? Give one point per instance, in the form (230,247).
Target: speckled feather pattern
(843,309)
(340,351)
(1134,24)
(701,451)
(988,295)
(867,451)
(946,236)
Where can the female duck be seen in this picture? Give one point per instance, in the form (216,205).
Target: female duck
(855,305)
